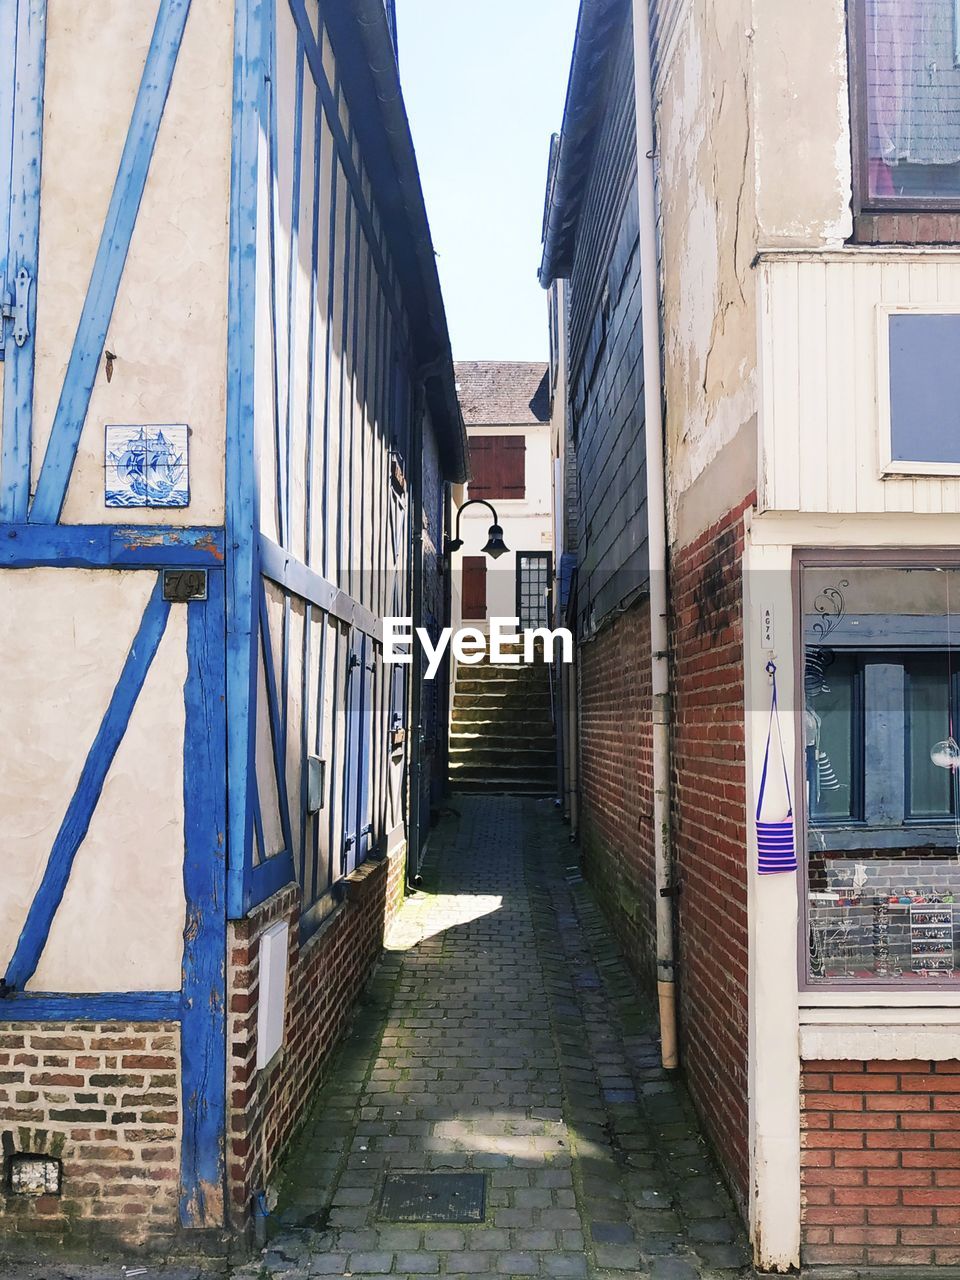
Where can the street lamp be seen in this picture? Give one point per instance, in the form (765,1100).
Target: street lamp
(495,545)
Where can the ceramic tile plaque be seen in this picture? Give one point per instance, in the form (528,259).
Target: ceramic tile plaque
(146,466)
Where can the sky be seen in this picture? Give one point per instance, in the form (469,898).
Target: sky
(484,83)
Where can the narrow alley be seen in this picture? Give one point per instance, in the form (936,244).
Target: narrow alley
(502,1039)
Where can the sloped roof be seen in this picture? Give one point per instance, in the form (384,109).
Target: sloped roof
(497,393)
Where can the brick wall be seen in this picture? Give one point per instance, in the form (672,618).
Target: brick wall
(103,1098)
(616,821)
(709,833)
(325,976)
(881,1163)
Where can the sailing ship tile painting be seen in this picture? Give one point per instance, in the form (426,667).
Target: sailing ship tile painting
(146,466)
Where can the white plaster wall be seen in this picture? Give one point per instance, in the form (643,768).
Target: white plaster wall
(168,330)
(527,522)
(704,122)
(66,634)
(802,122)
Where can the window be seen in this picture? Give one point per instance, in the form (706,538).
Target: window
(498,467)
(881,770)
(906,99)
(533,589)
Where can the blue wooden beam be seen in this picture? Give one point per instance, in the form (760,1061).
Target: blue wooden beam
(76,820)
(103,546)
(242,515)
(203,997)
(109,263)
(95,1006)
(24,242)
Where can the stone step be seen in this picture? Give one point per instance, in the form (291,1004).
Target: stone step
(501,716)
(492,760)
(516,787)
(512,676)
(525,740)
(519,694)
(501,773)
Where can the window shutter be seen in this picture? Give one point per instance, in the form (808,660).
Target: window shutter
(481,459)
(513,455)
(498,467)
(474,588)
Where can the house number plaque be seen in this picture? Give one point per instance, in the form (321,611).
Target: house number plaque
(183,585)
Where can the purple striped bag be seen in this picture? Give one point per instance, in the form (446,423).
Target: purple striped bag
(776,842)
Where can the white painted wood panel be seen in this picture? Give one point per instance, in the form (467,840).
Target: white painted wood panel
(820,410)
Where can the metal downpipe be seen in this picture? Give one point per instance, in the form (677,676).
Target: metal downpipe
(656,533)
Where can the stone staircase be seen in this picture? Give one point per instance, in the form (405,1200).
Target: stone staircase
(501,730)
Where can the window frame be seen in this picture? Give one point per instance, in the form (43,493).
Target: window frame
(839,558)
(863,202)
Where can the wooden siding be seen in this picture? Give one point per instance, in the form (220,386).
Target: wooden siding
(821,389)
(606,365)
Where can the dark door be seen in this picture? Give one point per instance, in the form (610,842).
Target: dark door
(474,604)
(533,588)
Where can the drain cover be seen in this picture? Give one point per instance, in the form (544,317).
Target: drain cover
(433,1197)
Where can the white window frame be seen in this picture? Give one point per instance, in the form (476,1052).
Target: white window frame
(890,467)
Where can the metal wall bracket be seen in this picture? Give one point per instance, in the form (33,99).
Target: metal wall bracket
(16,309)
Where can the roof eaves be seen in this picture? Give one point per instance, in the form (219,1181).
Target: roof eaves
(598,23)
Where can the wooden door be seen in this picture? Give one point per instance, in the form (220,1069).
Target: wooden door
(474,591)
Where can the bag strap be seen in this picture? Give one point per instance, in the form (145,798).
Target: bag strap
(774,718)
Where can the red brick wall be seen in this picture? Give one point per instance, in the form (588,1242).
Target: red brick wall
(709,833)
(104,1098)
(324,979)
(881,1163)
(616,819)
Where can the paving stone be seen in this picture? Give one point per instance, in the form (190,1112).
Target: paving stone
(618,1257)
(673,1269)
(565,1264)
(418,1264)
(611,1233)
(507,1041)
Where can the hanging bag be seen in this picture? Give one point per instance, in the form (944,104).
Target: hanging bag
(776,842)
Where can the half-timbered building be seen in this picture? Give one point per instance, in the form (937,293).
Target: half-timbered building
(228,417)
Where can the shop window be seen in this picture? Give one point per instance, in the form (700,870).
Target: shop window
(497,467)
(881,771)
(906,97)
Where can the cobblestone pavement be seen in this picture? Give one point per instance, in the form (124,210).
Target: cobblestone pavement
(502,1036)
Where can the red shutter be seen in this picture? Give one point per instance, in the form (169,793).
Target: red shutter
(513,479)
(474,591)
(498,467)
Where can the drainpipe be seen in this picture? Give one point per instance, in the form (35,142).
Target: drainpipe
(573,746)
(656,533)
(416,610)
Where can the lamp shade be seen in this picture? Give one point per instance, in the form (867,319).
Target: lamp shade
(495,544)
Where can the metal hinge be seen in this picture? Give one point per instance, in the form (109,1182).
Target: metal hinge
(16,310)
